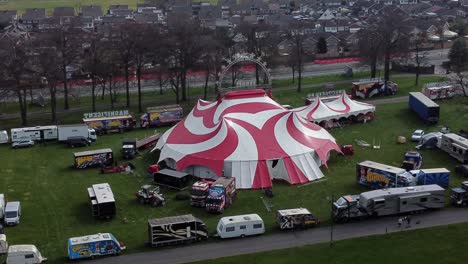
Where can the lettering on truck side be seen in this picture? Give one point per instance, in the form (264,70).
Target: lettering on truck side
(85,159)
(76,248)
(375,177)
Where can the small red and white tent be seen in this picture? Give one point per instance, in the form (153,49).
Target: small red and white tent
(249,136)
(338,108)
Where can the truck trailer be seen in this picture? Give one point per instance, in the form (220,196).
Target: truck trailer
(93,158)
(376,175)
(78,130)
(104,125)
(37,133)
(426,109)
(101,201)
(295,218)
(94,245)
(367,88)
(172,179)
(221,194)
(456,146)
(130,147)
(439,176)
(161,116)
(388,202)
(174,230)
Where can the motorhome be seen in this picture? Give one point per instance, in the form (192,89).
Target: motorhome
(101,200)
(38,133)
(94,245)
(240,226)
(456,146)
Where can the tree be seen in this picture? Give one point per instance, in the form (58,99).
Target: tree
(458,60)
(420,56)
(369,47)
(185,49)
(93,63)
(48,67)
(125,45)
(394,28)
(15,66)
(66,39)
(297,36)
(141,52)
(322,46)
(261,40)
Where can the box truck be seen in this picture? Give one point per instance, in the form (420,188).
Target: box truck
(376,175)
(388,202)
(94,245)
(172,179)
(79,130)
(174,230)
(93,158)
(161,115)
(426,109)
(101,200)
(439,176)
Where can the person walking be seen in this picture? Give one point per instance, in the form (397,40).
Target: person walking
(408,221)
(400,221)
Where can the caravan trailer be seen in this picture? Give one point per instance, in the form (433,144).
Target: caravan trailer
(240,226)
(37,133)
(101,200)
(3,137)
(456,146)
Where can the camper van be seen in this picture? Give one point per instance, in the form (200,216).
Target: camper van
(12,213)
(94,245)
(456,146)
(240,226)
(24,254)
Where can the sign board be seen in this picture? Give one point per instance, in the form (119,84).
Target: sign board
(106,114)
(326,93)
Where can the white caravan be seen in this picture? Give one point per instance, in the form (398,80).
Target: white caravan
(2,205)
(3,137)
(240,226)
(24,254)
(37,133)
(3,244)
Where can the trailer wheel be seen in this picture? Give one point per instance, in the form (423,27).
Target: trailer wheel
(242,236)
(141,200)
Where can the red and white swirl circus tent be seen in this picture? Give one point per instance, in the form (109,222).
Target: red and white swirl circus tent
(249,136)
(341,107)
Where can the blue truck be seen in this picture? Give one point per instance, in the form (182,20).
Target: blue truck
(94,245)
(426,109)
(439,176)
(377,176)
(162,116)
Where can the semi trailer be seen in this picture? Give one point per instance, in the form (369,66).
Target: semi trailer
(426,109)
(174,230)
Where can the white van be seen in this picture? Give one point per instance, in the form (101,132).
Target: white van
(2,205)
(12,213)
(240,226)
(24,254)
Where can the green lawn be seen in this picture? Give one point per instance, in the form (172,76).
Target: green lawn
(55,200)
(430,246)
(21,5)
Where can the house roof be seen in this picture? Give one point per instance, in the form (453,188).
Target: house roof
(118,7)
(7,15)
(34,14)
(122,12)
(146,17)
(91,11)
(63,11)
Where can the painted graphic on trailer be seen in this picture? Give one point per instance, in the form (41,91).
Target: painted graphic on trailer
(93,248)
(378,179)
(92,160)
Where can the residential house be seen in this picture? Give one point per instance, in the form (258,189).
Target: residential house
(146,7)
(113,8)
(32,17)
(407,2)
(64,12)
(49,23)
(7,16)
(355,27)
(127,13)
(92,11)
(327,15)
(333,3)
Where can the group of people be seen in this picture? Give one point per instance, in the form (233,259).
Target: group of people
(406,219)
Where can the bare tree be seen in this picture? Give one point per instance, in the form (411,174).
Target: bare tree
(93,62)
(420,56)
(370,47)
(394,28)
(297,35)
(184,47)
(458,60)
(15,66)
(122,37)
(48,67)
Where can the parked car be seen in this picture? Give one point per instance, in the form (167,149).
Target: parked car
(12,213)
(27,143)
(417,135)
(78,142)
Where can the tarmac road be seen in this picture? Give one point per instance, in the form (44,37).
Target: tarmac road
(212,250)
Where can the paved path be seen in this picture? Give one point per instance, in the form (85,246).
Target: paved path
(212,250)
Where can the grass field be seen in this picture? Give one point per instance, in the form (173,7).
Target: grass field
(430,246)
(55,200)
(21,5)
